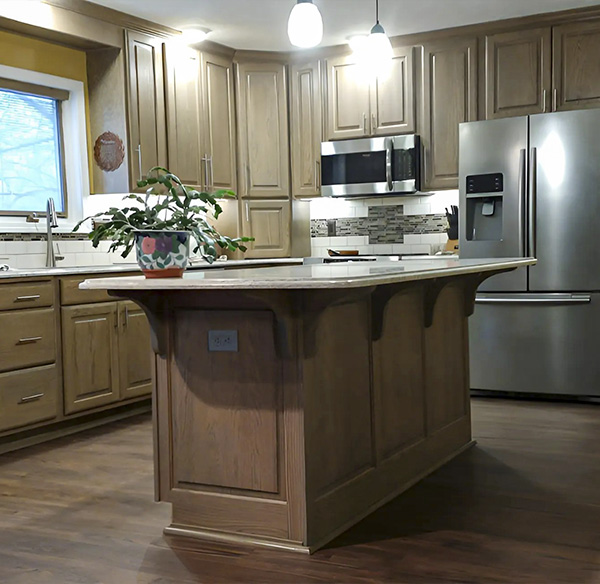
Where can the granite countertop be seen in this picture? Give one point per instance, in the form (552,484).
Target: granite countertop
(117,268)
(345,275)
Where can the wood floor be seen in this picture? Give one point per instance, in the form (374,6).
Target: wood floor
(522,506)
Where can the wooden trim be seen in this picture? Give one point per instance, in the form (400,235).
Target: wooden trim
(114,17)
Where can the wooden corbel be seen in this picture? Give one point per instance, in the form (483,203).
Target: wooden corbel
(379,301)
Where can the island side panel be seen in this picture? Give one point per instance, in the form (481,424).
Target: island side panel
(408,422)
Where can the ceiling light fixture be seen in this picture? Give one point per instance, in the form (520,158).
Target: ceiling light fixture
(305,25)
(377,51)
(193,36)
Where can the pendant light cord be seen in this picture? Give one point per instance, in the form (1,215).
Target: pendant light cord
(377,11)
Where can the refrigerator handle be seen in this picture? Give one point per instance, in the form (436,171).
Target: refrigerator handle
(522,199)
(532,202)
(550,299)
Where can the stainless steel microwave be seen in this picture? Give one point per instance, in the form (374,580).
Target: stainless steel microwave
(371,166)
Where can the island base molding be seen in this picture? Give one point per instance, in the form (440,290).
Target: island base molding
(323,406)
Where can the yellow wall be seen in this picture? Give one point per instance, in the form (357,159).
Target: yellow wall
(43,57)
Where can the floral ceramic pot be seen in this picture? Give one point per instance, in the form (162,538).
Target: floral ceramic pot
(162,254)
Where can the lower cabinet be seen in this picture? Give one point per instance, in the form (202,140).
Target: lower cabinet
(106,354)
(269,223)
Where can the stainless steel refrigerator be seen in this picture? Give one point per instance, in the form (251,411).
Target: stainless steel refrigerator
(530,186)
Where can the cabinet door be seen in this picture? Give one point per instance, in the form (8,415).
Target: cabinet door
(517,73)
(348,100)
(219,121)
(90,356)
(135,353)
(306,129)
(183,113)
(263,130)
(393,98)
(269,223)
(576,59)
(450,88)
(146,103)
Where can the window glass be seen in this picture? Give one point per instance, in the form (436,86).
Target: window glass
(30,153)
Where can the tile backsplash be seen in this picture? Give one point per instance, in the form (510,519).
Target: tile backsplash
(403,225)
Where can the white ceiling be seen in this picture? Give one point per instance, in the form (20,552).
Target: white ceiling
(261,24)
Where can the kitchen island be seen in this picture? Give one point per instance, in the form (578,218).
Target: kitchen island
(290,402)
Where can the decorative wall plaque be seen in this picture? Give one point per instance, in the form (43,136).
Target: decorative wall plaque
(109,151)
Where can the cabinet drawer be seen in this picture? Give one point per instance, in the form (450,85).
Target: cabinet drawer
(71,294)
(28,338)
(28,396)
(26,295)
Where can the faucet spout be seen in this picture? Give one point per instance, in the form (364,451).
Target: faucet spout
(51,221)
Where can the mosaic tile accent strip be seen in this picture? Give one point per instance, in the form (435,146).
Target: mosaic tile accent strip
(384,224)
(42,236)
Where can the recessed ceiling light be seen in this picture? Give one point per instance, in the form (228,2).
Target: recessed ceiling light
(192,36)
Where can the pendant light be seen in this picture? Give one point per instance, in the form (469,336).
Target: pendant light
(377,50)
(305,25)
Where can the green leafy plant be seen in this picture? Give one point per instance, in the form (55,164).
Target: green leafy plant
(176,208)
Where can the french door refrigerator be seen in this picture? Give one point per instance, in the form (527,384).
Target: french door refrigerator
(530,186)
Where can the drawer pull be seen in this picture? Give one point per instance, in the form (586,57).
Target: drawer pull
(28,340)
(27,298)
(30,398)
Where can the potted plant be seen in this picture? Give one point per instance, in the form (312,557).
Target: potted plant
(161,232)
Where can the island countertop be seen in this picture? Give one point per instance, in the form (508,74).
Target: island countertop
(303,277)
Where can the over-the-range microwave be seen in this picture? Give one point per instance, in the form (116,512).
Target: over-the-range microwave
(371,166)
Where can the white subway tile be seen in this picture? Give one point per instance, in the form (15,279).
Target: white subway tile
(320,241)
(34,247)
(419,209)
(401,248)
(14,247)
(338,240)
(69,260)
(11,260)
(383,248)
(31,261)
(430,238)
(420,248)
(2,247)
(358,240)
(411,238)
(361,211)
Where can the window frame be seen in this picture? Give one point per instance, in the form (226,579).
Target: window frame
(60,96)
(76,151)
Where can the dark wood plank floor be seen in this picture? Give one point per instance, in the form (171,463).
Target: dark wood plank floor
(522,506)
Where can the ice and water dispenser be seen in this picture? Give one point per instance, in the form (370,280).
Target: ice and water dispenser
(484,194)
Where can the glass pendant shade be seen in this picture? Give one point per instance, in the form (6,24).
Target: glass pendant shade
(378,53)
(305,25)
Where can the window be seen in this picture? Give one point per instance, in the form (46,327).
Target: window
(31,148)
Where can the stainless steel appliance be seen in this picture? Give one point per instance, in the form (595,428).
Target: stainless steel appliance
(530,186)
(371,166)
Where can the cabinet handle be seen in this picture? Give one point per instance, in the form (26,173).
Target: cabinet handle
(118,319)
(373,124)
(365,123)
(544,101)
(126,323)
(139,151)
(554,99)
(27,298)
(247,180)
(30,398)
(247,212)
(317,174)
(212,177)
(27,340)
(204,173)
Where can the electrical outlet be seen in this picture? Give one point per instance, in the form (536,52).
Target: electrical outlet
(223,341)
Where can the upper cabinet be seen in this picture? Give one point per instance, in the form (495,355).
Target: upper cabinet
(576,64)
(518,73)
(184,128)
(219,121)
(306,128)
(263,130)
(358,108)
(450,91)
(146,105)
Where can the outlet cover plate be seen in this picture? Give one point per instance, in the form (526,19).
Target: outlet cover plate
(223,341)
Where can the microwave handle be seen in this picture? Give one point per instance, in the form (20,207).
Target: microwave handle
(388,163)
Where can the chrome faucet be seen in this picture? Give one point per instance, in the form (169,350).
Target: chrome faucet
(51,221)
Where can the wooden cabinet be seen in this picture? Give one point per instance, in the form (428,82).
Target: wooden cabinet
(348,100)
(218,121)
(358,108)
(146,105)
(135,354)
(576,65)
(183,105)
(450,92)
(306,128)
(518,73)
(90,356)
(263,130)
(269,223)
(106,354)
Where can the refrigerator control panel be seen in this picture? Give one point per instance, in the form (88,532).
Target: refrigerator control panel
(485,183)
